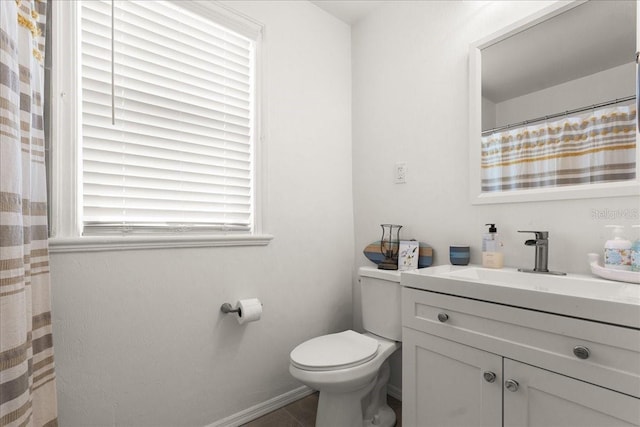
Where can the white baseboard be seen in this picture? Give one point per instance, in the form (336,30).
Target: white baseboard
(394,391)
(278,402)
(263,408)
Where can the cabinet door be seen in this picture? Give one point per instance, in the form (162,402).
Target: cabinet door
(444,384)
(542,398)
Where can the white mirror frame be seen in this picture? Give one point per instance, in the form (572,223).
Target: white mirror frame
(612,189)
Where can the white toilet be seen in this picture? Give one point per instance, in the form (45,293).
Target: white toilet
(350,369)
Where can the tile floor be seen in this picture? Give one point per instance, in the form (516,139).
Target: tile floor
(302,413)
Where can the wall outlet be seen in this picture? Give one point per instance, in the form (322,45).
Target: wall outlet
(401,173)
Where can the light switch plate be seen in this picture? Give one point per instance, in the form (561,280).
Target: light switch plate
(401,173)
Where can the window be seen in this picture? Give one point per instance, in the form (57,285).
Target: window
(165,118)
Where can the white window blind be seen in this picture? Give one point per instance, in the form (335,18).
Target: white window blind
(178,156)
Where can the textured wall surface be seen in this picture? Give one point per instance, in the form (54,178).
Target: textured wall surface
(410,104)
(139,338)
(138,335)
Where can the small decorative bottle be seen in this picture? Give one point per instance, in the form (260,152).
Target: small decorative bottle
(492,256)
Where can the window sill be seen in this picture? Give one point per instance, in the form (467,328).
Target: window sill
(123,243)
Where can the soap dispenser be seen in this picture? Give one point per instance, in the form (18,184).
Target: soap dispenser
(492,256)
(635,252)
(617,250)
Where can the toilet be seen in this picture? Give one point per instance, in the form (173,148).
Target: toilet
(351,369)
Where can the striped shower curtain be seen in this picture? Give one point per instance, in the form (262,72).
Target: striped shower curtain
(597,146)
(27,376)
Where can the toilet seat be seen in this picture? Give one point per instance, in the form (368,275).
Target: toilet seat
(334,351)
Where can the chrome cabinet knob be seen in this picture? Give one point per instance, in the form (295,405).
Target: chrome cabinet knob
(512,385)
(489,376)
(581,352)
(443,317)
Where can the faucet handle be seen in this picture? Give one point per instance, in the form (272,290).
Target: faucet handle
(539,234)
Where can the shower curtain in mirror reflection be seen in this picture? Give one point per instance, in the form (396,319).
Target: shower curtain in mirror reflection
(597,146)
(27,376)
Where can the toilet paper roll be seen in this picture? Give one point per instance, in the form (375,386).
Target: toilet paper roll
(250,310)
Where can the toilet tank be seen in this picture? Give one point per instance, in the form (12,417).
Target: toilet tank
(380,302)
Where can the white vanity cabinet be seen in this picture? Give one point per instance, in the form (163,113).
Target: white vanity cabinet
(544,398)
(442,383)
(470,362)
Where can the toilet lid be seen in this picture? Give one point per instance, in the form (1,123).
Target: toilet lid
(334,351)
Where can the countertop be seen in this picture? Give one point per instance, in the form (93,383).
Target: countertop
(574,295)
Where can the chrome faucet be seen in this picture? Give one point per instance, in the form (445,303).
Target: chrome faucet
(541,242)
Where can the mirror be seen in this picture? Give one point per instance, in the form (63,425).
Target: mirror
(553,106)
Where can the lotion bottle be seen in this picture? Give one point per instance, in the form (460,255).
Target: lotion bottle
(617,250)
(492,256)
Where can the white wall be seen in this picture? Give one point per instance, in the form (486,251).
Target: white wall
(138,334)
(607,85)
(488,113)
(410,103)
(139,338)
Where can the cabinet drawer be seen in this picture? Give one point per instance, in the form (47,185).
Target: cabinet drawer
(541,339)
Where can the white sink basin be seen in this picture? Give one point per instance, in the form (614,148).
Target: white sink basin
(511,277)
(571,295)
(538,281)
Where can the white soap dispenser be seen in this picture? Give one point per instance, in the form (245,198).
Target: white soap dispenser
(635,252)
(617,250)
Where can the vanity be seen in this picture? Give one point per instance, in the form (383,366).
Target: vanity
(485,347)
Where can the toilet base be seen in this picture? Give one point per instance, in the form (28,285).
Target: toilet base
(366,407)
(385,417)
(376,411)
(341,409)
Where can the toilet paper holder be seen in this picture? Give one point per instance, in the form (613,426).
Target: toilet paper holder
(246,310)
(228,308)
